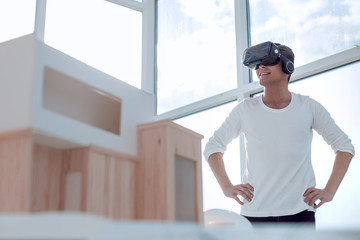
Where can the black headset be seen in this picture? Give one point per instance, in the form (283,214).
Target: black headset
(267,54)
(287,65)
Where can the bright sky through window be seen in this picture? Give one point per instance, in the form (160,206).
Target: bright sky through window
(101,34)
(314,29)
(17,18)
(196,54)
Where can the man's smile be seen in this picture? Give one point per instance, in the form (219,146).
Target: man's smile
(263,74)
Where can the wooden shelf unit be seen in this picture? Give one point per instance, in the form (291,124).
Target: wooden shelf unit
(162,183)
(38,178)
(169,173)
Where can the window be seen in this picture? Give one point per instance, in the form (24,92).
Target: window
(101,34)
(337,91)
(206,123)
(314,29)
(17,18)
(196,54)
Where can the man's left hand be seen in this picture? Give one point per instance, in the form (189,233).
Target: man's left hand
(313,194)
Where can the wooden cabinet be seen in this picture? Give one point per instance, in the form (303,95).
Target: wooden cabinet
(99,181)
(163,183)
(38,178)
(169,173)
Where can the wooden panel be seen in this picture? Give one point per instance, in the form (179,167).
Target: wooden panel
(109,152)
(118,200)
(46,176)
(15,171)
(110,185)
(74,160)
(108,181)
(186,144)
(123,189)
(97,184)
(158,144)
(90,179)
(152,187)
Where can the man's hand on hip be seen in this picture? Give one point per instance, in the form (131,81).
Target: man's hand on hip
(244,190)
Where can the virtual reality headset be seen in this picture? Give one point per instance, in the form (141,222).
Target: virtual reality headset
(266,54)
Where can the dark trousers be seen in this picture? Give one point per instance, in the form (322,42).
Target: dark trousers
(306,218)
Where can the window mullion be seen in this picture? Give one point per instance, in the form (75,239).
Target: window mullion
(134,5)
(148,47)
(40,16)
(242,42)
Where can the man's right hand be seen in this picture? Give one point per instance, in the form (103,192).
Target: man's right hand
(216,163)
(244,190)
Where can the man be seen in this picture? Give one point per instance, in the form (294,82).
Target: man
(279,183)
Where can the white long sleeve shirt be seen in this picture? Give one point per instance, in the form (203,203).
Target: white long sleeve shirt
(278,151)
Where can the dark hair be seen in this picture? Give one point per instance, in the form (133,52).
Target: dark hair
(287,52)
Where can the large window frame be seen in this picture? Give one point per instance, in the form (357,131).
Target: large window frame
(245,87)
(147,8)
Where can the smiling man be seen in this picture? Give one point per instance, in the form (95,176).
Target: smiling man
(278,185)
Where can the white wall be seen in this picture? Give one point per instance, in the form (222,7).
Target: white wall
(22,76)
(16,74)
(137,105)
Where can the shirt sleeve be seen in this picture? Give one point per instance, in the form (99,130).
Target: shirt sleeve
(224,135)
(325,125)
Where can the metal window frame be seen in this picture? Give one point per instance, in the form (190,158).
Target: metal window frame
(243,74)
(244,88)
(147,8)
